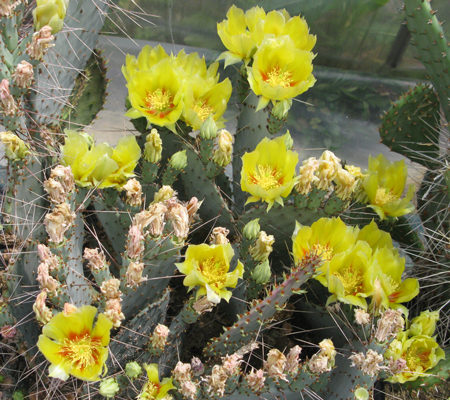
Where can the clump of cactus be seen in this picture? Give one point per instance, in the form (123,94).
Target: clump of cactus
(99,237)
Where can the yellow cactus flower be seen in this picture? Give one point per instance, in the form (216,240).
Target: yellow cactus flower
(349,278)
(421,353)
(50,12)
(191,64)
(280,23)
(268,172)
(202,100)
(280,72)
(384,186)
(236,37)
(147,59)
(326,237)
(156,94)
(99,165)
(376,238)
(153,388)
(389,289)
(126,154)
(74,346)
(207,266)
(424,324)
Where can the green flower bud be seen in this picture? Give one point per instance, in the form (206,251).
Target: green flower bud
(262,272)
(15,148)
(179,160)
(361,394)
(153,147)
(133,369)
(109,387)
(208,130)
(50,12)
(281,109)
(424,324)
(251,230)
(288,141)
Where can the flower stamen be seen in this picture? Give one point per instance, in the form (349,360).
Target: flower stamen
(351,279)
(159,100)
(82,351)
(215,271)
(267,177)
(384,196)
(203,110)
(324,251)
(278,77)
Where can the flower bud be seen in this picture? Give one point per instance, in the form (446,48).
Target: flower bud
(424,324)
(64,176)
(110,289)
(135,246)
(133,369)
(133,193)
(263,247)
(163,194)
(275,364)
(58,222)
(255,380)
(345,184)
(23,75)
(389,325)
(179,217)
(7,103)
(361,394)
(8,332)
(216,381)
(319,363)
(6,8)
(153,147)
(208,130)
(292,360)
(40,43)
(231,364)
(55,190)
(219,236)
(159,337)
(262,273)
(307,176)
(197,367)
(43,313)
(222,155)
(50,12)
(113,311)
(362,317)
(96,260)
(134,274)
(327,348)
(288,141)
(46,281)
(178,160)
(69,309)
(251,230)
(15,148)
(281,109)
(189,390)
(109,388)
(182,372)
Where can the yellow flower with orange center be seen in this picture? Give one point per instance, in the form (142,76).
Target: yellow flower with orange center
(207,266)
(157,94)
(280,72)
(74,346)
(153,389)
(384,185)
(325,238)
(268,172)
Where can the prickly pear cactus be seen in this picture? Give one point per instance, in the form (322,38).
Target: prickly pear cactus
(119,257)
